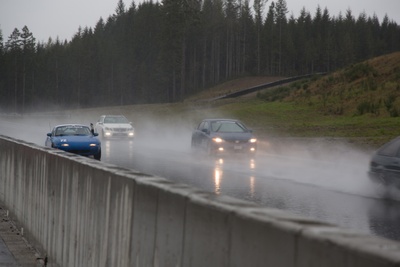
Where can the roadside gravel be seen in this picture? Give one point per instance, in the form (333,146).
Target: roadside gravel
(15,251)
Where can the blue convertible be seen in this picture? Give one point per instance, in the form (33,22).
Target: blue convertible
(75,138)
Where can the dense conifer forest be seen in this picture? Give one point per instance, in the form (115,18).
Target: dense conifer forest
(158,52)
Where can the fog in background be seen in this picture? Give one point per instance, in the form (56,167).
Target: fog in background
(320,178)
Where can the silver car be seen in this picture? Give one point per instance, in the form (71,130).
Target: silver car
(115,126)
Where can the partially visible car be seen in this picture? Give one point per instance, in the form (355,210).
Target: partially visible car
(223,136)
(115,126)
(384,167)
(75,138)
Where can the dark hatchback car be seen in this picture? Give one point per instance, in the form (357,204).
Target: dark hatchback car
(223,136)
(385,164)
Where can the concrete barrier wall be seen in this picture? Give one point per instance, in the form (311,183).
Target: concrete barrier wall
(82,212)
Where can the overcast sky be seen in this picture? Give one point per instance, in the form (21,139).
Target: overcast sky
(62,18)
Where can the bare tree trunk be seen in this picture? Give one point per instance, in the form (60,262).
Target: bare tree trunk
(195,79)
(23,86)
(15,85)
(79,87)
(280,49)
(217,61)
(227,57)
(244,52)
(238,54)
(203,78)
(258,50)
(57,88)
(173,85)
(183,69)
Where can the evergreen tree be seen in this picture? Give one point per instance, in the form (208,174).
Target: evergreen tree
(120,9)
(249,43)
(13,47)
(28,51)
(1,42)
(258,6)
(269,34)
(281,21)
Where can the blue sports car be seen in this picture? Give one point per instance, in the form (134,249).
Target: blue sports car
(75,138)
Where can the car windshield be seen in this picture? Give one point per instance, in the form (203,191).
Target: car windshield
(227,126)
(115,119)
(72,130)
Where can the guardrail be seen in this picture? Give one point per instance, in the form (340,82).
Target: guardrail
(267,85)
(82,212)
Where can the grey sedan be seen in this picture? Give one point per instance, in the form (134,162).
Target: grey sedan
(384,166)
(223,136)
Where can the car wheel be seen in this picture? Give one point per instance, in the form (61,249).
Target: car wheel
(194,145)
(382,178)
(97,156)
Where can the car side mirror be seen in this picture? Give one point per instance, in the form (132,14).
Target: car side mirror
(95,134)
(49,134)
(205,131)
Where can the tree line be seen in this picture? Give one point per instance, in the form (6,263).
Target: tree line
(164,51)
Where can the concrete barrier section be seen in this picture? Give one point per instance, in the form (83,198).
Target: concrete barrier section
(82,212)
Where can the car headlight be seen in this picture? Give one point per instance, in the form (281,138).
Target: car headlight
(217,140)
(93,145)
(64,145)
(253,140)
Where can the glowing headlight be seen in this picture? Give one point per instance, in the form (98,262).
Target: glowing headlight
(253,140)
(65,145)
(107,133)
(131,134)
(93,145)
(217,140)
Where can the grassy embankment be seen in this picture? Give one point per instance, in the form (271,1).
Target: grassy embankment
(360,104)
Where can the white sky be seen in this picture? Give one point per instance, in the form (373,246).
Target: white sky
(62,18)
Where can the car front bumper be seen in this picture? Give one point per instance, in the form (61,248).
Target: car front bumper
(83,151)
(118,134)
(231,148)
(383,178)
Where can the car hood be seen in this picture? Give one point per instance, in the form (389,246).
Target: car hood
(118,125)
(232,136)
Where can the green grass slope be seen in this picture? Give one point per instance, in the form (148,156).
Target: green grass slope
(360,102)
